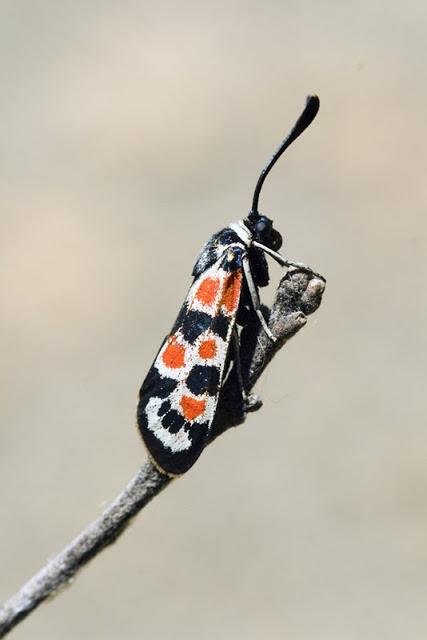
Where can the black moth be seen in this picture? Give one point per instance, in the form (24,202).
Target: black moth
(178,399)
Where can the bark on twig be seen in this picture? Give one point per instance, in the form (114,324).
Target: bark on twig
(298,295)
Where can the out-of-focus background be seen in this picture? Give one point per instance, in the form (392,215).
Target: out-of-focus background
(129,132)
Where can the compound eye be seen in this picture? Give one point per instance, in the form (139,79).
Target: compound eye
(263,227)
(275,240)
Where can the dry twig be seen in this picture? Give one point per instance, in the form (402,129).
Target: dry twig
(298,295)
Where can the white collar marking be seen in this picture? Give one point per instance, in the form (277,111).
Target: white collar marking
(242,231)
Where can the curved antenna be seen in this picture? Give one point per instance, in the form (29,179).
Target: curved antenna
(306,118)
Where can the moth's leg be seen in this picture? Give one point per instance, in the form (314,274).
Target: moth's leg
(251,402)
(255,297)
(303,267)
(237,364)
(287,263)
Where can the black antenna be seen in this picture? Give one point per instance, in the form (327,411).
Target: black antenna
(306,118)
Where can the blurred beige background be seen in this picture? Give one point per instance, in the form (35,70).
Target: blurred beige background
(129,133)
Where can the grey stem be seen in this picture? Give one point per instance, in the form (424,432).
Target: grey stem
(299,294)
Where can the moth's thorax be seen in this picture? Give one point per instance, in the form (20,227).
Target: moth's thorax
(218,245)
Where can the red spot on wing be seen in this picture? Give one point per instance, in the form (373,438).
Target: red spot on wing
(174,354)
(231,291)
(207,349)
(207,290)
(191,407)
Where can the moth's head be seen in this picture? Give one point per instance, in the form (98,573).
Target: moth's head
(263,231)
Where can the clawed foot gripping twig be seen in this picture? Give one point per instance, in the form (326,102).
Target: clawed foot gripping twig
(298,295)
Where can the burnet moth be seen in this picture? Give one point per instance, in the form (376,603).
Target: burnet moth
(179,396)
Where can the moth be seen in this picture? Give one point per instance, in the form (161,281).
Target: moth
(179,396)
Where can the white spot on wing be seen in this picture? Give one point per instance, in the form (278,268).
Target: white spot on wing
(179,441)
